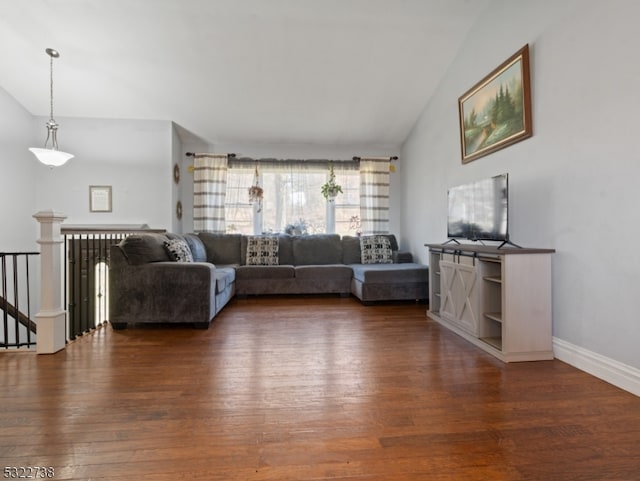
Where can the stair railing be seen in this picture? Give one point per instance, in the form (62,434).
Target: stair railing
(17,329)
(86,273)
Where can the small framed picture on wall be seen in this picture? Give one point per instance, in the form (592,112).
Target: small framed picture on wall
(100,198)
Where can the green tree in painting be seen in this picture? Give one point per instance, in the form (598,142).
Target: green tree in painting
(503,109)
(505,113)
(472,119)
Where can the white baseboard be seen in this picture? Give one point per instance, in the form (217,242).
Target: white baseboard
(614,372)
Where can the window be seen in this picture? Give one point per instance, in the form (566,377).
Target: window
(347,204)
(238,210)
(292,198)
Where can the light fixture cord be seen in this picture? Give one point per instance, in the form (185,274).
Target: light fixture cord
(51,85)
(52,126)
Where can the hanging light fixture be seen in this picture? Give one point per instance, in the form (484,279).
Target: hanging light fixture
(256,192)
(51,156)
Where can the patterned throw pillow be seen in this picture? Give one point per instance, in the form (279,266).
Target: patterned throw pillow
(375,249)
(178,250)
(262,250)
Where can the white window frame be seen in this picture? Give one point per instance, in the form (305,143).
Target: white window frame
(271,167)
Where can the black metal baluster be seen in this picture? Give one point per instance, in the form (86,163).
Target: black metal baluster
(26,269)
(65,287)
(91,295)
(5,314)
(73,289)
(16,298)
(14,286)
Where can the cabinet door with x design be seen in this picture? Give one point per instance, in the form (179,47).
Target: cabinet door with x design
(459,292)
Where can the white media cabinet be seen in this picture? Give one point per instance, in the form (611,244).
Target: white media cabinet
(497,298)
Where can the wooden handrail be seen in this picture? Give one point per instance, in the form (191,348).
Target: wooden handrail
(16,314)
(108,229)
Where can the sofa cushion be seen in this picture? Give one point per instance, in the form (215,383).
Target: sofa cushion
(225,276)
(402,257)
(393,242)
(331,271)
(351,250)
(317,249)
(222,248)
(285,250)
(375,249)
(351,253)
(145,248)
(178,250)
(390,273)
(262,250)
(265,272)
(198,250)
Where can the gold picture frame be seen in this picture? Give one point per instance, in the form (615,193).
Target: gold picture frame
(100,198)
(496,112)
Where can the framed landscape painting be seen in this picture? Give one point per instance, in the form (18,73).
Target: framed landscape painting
(496,112)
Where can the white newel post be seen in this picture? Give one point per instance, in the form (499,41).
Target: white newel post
(51,318)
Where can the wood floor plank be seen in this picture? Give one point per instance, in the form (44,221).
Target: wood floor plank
(309,388)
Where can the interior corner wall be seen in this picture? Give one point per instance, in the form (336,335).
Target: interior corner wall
(19,229)
(134,157)
(177,184)
(574,184)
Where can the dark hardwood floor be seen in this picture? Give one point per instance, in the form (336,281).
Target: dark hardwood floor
(309,389)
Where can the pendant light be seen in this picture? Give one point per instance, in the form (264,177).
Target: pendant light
(51,156)
(256,192)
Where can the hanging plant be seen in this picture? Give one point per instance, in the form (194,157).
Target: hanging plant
(355,225)
(256,192)
(330,189)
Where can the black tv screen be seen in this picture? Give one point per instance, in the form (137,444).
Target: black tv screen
(479,210)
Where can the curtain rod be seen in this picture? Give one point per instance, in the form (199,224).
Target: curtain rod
(249,159)
(193,154)
(392,158)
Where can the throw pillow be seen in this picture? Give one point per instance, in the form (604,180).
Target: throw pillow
(262,250)
(375,249)
(143,248)
(178,250)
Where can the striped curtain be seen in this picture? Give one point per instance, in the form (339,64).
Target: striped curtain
(209,191)
(374,195)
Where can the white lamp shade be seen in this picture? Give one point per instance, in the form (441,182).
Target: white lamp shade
(53,158)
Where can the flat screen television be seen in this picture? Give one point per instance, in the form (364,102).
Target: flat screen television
(479,210)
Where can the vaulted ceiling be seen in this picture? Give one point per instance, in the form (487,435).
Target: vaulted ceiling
(269,71)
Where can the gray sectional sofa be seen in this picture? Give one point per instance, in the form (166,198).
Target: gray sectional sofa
(150,283)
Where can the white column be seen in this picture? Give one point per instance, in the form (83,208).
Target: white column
(257,218)
(331,215)
(50,320)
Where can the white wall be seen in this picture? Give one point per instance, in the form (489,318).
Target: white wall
(135,157)
(18,229)
(574,184)
(132,156)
